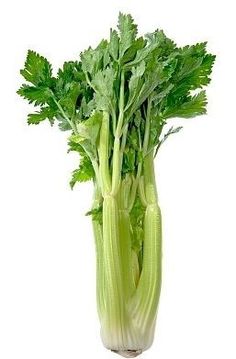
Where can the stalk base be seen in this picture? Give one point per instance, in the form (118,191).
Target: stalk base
(128,353)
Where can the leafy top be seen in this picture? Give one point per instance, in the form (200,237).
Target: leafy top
(141,82)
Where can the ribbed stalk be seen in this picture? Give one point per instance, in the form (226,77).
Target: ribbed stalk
(145,300)
(126,254)
(128,304)
(97,231)
(117,330)
(104,173)
(148,291)
(125,237)
(113,318)
(127,300)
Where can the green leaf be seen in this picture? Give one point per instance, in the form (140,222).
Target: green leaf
(89,61)
(160,95)
(137,219)
(70,72)
(45,113)
(129,159)
(75,146)
(96,214)
(92,59)
(90,128)
(165,46)
(63,124)
(132,138)
(84,173)
(189,107)
(172,130)
(87,107)
(135,83)
(130,54)
(103,83)
(36,95)
(193,68)
(70,87)
(103,48)
(69,99)
(137,118)
(128,32)
(114,44)
(200,75)
(37,69)
(156,125)
(155,74)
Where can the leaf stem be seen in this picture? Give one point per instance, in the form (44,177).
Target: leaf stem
(117,158)
(104,172)
(72,125)
(147,128)
(135,186)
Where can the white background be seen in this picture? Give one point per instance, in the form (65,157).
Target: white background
(47,260)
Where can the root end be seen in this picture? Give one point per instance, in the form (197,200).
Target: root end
(128,353)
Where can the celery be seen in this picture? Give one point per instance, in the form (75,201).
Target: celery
(116,101)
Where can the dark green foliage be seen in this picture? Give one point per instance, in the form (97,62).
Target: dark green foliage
(161,81)
(84,173)
(38,70)
(96,214)
(45,112)
(38,95)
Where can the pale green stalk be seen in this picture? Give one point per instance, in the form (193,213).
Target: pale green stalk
(116,168)
(128,305)
(145,300)
(97,231)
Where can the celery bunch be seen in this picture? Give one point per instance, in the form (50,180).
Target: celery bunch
(116,101)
